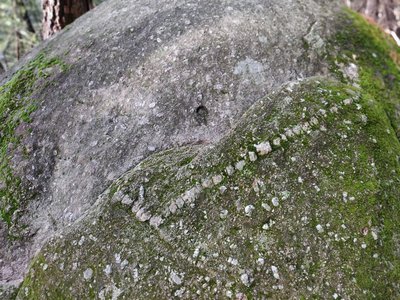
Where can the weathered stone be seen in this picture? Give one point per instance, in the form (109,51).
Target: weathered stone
(175,95)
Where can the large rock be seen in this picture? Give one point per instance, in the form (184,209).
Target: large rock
(160,149)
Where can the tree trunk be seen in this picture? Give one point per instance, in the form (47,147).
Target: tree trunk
(382,11)
(59,13)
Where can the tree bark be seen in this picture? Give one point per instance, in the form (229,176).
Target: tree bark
(382,11)
(59,13)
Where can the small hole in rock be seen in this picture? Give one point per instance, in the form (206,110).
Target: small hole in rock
(201,115)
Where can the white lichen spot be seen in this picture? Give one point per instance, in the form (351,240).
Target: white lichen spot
(289,133)
(275,201)
(249,210)
(347,122)
(93,238)
(127,200)
(223,214)
(217,179)
(374,233)
(344,196)
(351,71)
(252,156)
(314,121)
(107,270)
(240,165)
(233,261)
(334,109)
(245,279)
(124,263)
(117,257)
(265,226)
(305,127)
(172,207)
(141,194)
(256,186)
(191,195)
(322,112)
(175,278)
(275,272)
(266,206)
(363,245)
(179,202)
(260,261)
(87,274)
(263,148)
(348,101)
(142,215)
(276,142)
(45,266)
(229,170)
(156,221)
(297,129)
(207,183)
(250,67)
(135,275)
(287,100)
(81,241)
(135,208)
(116,292)
(320,229)
(196,252)
(285,195)
(300,180)
(179,293)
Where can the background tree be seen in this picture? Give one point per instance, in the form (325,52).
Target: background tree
(385,12)
(21,24)
(19,29)
(59,13)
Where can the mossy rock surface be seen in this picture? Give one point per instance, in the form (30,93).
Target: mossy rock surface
(314,217)
(270,188)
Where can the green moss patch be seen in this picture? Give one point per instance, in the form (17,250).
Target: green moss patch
(378,58)
(16,107)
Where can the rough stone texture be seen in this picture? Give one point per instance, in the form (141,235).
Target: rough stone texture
(138,166)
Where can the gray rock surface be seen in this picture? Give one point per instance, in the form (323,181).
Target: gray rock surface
(154,106)
(149,75)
